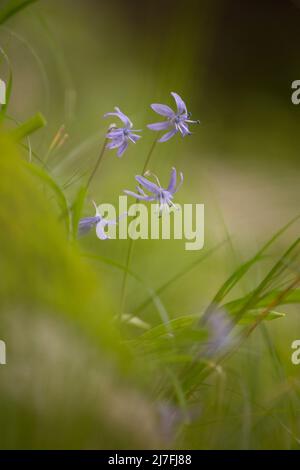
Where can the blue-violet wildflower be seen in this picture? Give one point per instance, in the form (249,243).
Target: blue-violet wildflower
(87,223)
(176,121)
(121,136)
(164,197)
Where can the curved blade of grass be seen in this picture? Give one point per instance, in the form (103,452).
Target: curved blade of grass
(292,297)
(165,341)
(177,324)
(252,315)
(31,153)
(12,7)
(76,209)
(50,182)
(268,278)
(24,130)
(244,268)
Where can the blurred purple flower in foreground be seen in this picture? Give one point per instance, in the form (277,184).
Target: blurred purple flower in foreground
(176,121)
(162,196)
(87,223)
(171,418)
(121,136)
(219,325)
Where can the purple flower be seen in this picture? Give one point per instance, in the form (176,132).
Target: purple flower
(176,121)
(162,196)
(219,327)
(87,223)
(121,136)
(171,418)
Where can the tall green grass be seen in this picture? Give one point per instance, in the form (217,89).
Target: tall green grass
(77,378)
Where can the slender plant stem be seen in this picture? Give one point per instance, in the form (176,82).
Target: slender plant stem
(146,164)
(98,163)
(131,242)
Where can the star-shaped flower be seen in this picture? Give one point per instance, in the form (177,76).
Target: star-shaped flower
(121,136)
(176,121)
(164,197)
(87,223)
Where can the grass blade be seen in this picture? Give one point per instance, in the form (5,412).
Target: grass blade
(76,210)
(50,182)
(24,130)
(12,7)
(244,268)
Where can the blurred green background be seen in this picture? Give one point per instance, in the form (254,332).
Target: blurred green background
(72,379)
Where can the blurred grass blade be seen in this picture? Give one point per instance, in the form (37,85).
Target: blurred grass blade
(135,321)
(267,279)
(12,7)
(76,210)
(177,325)
(167,342)
(252,315)
(244,268)
(50,182)
(24,130)
(292,297)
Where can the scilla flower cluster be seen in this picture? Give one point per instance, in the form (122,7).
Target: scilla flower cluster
(120,137)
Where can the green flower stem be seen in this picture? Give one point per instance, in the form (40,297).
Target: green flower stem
(98,163)
(131,242)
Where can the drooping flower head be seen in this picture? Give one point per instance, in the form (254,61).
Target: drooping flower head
(87,223)
(164,197)
(177,121)
(121,136)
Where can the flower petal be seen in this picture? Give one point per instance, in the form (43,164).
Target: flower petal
(115,134)
(111,222)
(114,144)
(152,187)
(125,119)
(134,137)
(138,196)
(97,214)
(184,130)
(86,224)
(179,184)
(163,110)
(122,216)
(159,126)
(131,193)
(181,107)
(172,184)
(141,191)
(100,230)
(168,135)
(122,148)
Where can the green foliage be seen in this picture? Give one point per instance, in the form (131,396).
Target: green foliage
(77,377)
(44,276)
(12,7)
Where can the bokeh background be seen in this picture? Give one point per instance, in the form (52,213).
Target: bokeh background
(233,63)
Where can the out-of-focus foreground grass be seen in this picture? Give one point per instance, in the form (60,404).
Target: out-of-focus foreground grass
(74,378)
